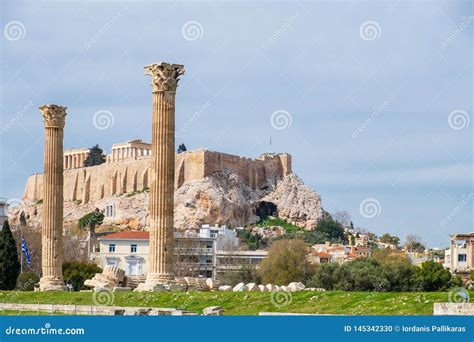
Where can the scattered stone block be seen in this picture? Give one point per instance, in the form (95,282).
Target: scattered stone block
(213,311)
(212,284)
(251,287)
(262,288)
(295,286)
(269,287)
(225,288)
(131,312)
(239,287)
(110,277)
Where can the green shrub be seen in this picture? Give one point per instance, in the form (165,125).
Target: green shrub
(95,218)
(26,281)
(246,274)
(76,272)
(432,277)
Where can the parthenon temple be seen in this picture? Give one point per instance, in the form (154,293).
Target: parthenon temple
(129,149)
(74,158)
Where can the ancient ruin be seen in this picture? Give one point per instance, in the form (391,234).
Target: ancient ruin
(127,169)
(52,227)
(164,82)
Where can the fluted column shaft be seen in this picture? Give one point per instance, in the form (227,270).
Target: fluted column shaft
(162,185)
(164,83)
(52,224)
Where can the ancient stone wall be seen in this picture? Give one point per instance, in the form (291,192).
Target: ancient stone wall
(132,175)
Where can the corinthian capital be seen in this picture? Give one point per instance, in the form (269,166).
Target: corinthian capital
(53,115)
(164,76)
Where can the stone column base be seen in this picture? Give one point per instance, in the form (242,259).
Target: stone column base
(52,284)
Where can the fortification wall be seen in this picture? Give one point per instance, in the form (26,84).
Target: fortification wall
(89,184)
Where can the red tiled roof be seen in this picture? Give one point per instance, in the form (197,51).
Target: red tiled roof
(129,235)
(323,255)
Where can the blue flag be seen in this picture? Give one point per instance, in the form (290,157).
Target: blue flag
(24,249)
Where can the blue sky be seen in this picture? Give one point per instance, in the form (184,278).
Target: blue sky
(372,99)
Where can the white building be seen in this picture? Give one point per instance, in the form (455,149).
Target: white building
(3,212)
(459,258)
(197,253)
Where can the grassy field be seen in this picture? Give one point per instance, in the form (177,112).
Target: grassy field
(251,303)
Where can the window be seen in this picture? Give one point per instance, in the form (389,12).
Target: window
(133,248)
(462,257)
(110,210)
(111,247)
(112,262)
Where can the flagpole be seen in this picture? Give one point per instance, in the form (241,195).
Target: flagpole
(21,250)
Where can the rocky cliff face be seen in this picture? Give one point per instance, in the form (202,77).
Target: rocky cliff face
(296,203)
(221,198)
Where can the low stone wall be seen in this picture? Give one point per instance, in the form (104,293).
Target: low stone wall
(95,310)
(453,309)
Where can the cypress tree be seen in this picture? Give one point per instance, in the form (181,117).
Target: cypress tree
(96,156)
(9,264)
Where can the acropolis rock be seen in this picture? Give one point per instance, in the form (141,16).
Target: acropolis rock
(296,202)
(210,188)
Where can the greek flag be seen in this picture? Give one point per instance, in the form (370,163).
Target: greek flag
(24,249)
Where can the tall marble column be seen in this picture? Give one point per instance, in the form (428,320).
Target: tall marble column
(164,82)
(52,225)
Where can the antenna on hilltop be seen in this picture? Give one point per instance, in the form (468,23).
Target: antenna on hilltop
(271,144)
